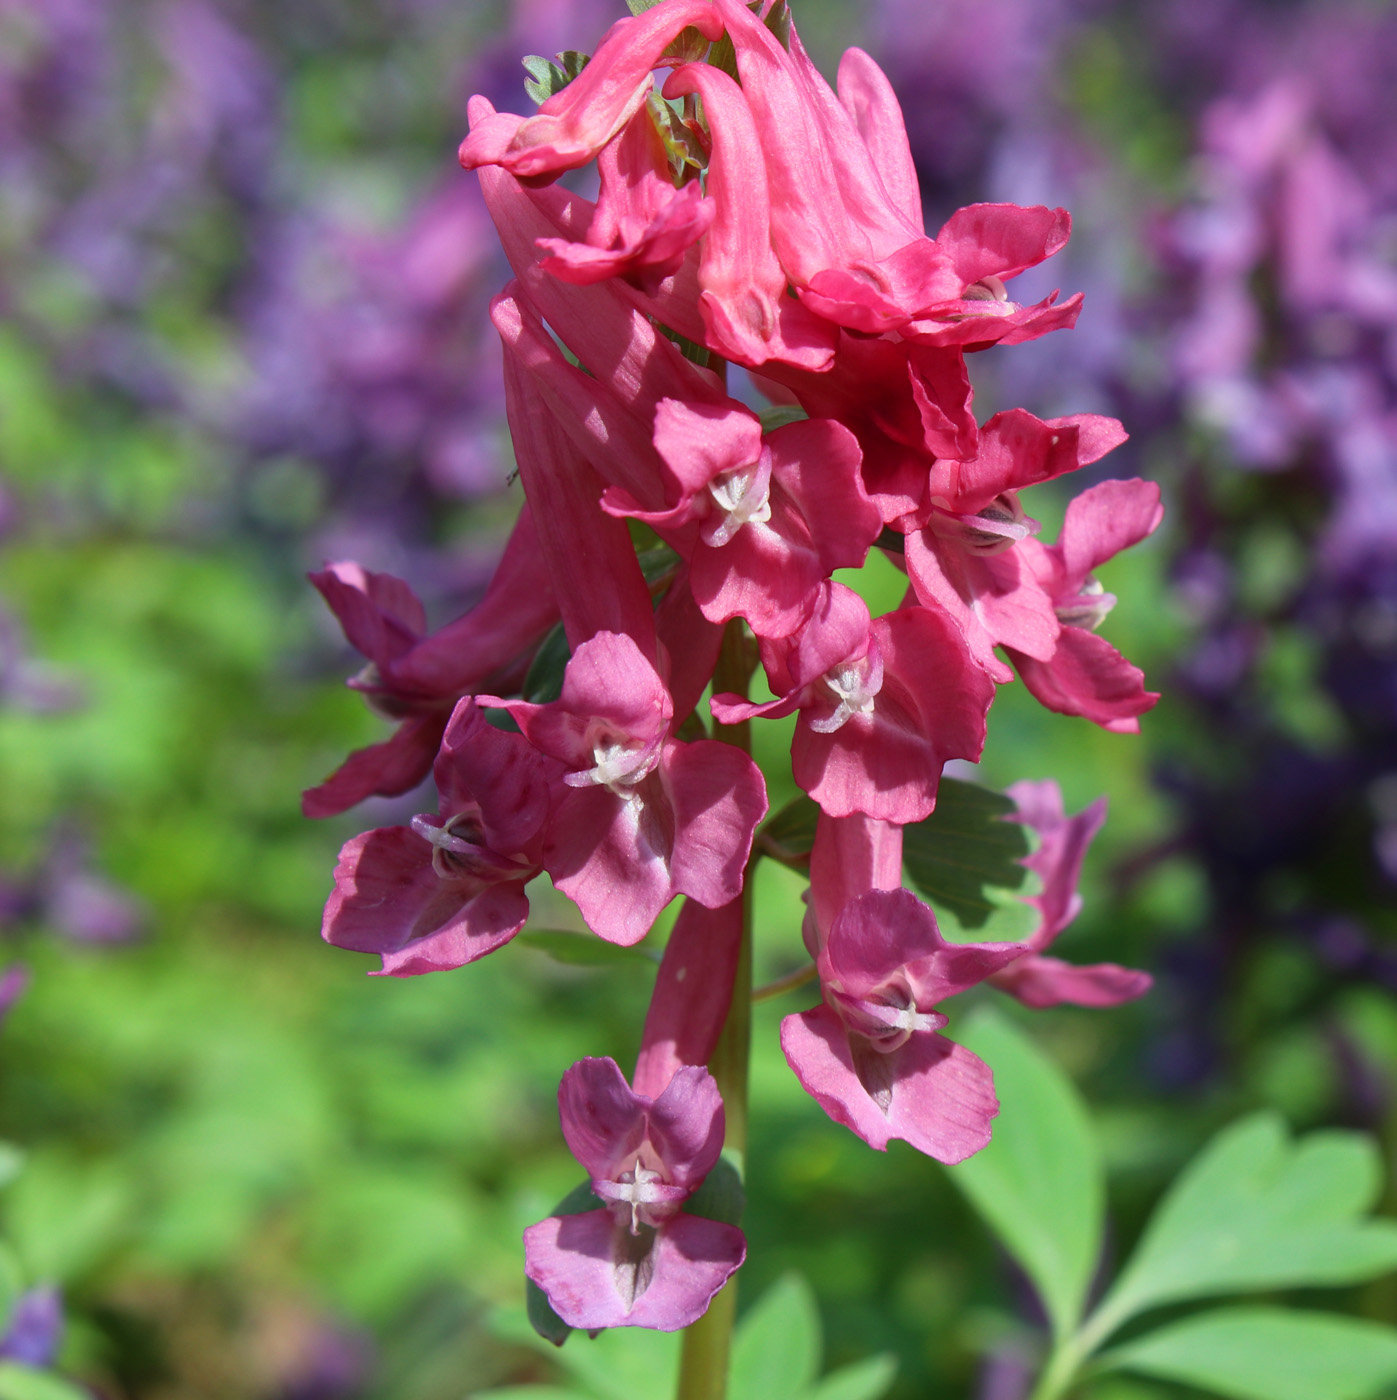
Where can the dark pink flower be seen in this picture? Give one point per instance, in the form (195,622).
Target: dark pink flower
(417,679)
(855,255)
(883,704)
(573,125)
(775,515)
(693,990)
(1085,674)
(640,1261)
(450,888)
(639,816)
(907,404)
(748,314)
(1040,981)
(870,1055)
(642,226)
(964,559)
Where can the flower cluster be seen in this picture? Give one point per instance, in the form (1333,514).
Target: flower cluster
(747,215)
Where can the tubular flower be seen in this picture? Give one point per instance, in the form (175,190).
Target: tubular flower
(640,817)
(639,1261)
(449,888)
(871,1055)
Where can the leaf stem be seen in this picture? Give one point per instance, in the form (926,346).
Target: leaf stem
(1061,1371)
(785,984)
(703,1360)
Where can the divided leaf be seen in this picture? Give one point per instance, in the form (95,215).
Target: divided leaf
(776,1349)
(1255,1210)
(863,1380)
(25,1383)
(965,859)
(1039,1183)
(789,834)
(1269,1354)
(544,682)
(547,77)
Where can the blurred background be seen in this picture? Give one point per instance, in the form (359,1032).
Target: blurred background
(242,330)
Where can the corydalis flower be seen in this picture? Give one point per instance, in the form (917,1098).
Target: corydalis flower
(883,704)
(639,1261)
(870,1055)
(639,816)
(449,888)
(1037,980)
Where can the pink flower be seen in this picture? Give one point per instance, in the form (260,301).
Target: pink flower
(639,816)
(964,558)
(1085,674)
(855,255)
(640,1261)
(882,705)
(746,310)
(693,991)
(1040,981)
(573,125)
(450,888)
(907,404)
(775,515)
(870,1055)
(417,679)
(642,226)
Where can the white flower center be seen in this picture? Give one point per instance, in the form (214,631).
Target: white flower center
(854,686)
(743,497)
(620,763)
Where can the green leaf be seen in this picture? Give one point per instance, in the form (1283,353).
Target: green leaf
(547,78)
(25,1383)
(542,1318)
(864,1380)
(11,1163)
(781,414)
(776,1350)
(689,46)
(544,682)
(620,1363)
(789,834)
(1269,1354)
(723,56)
(965,859)
(721,1196)
(1039,1182)
(581,949)
(778,20)
(1254,1210)
(11,1284)
(532,1392)
(639,7)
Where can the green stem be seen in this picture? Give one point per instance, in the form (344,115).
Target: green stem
(1061,1371)
(703,1360)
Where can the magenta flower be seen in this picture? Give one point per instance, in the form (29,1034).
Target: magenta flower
(870,1055)
(882,704)
(775,515)
(450,888)
(573,125)
(639,1261)
(417,679)
(964,558)
(1085,674)
(638,816)
(743,298)
(907,404)
(642,226)
(1040,981)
